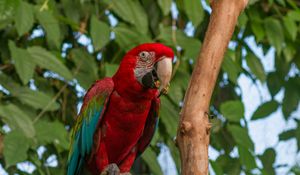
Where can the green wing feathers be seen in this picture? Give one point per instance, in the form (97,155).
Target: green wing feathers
(87,121)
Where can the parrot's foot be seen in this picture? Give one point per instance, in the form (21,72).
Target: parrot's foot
(111,169)
(127,173)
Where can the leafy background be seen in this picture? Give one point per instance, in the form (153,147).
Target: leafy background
(51,51)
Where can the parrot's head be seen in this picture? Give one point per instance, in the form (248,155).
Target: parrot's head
(146,68)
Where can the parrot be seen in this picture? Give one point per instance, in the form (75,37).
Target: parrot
(119,114)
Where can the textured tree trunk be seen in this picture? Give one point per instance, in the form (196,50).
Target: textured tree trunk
(193,130)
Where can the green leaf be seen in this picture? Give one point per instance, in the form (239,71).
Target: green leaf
(15,147)
(7,11)
(36,99)
(232,110)
(258,30)
(294,15)
(230,66)
(100,33)
(23,62)
(241,136)
(229,165)
(24,17)
(132,12)
(168,116)
(86,67)
(286,135)
(190,45)
(289,52)
(256,66)
(127,37)
(46,60)
(291,27)
(243,19)
(165,6)
(268,159)
(274,33)
(216,167)
(16,118)
(246,158)
(50,25)
(194,11)
(265,110)
(274,83)
(110,69)
(52,132)
(150,158)
(290,101)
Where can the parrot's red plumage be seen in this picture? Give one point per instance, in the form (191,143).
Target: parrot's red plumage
(119,114)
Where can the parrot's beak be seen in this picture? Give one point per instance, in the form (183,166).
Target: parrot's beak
(164,73)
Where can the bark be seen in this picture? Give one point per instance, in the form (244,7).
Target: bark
(194,127)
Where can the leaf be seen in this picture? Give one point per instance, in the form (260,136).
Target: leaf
(274,83)
(258,30)
(188,44)
(100,33)
(216,167)
(241,136)
(256,66)
(231,67)
(128,38)
(24,17)
(8,83)
(50,25)
(16,118)
(7,11)
(23,62)
(168,116)
(149,157)
(132,12)
(165,6)
(289,52)
(290,101)
(15,147)
(86,67)
(36,99)
(229,165)
(52,132)
(265,110)
(46,60)
(274,33)
(286,135)
(268,159)
(246,158)
(294,15)
(291,27)
(194,11)
(232,110)
(110,69)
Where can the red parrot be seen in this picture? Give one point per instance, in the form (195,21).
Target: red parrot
(119,115)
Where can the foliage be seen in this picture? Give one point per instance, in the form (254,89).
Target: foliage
(51,51)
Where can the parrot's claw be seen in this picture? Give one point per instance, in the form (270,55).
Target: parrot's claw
(111,169)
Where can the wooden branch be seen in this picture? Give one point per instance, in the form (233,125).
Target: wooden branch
(194,127)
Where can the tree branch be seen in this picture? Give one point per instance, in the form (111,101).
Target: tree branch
(194,126)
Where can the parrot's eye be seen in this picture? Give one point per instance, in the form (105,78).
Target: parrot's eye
(144,55)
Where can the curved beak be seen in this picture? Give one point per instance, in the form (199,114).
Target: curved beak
(164,73)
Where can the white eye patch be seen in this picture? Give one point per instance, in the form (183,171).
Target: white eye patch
(146,56)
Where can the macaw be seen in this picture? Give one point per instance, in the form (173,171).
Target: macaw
(119,115)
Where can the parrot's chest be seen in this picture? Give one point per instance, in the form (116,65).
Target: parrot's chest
(123,125)
(126,114)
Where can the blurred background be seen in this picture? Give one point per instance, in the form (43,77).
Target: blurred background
(51,51)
